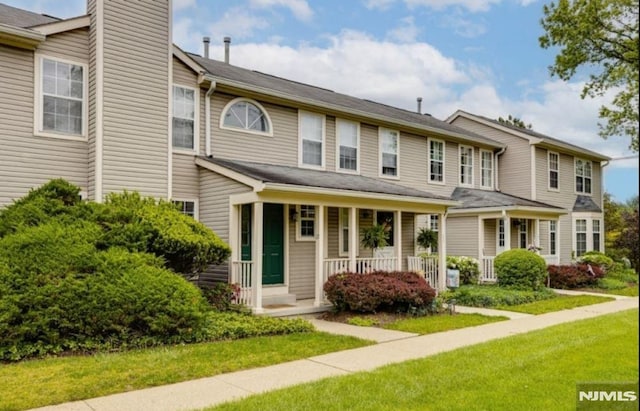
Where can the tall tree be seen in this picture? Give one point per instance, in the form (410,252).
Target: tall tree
(601,35)
(514,121)
(629,237)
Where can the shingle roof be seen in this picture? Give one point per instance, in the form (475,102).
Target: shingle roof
(586,204)
(325,96)
(475,198)
(22,18)
(269,173)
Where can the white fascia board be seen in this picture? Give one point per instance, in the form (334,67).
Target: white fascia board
(63,25)
(183,57)
(523,209)
(256,185)
(19,37)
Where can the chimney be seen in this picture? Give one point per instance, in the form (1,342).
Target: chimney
(206,41)
(419,99)
(227,42)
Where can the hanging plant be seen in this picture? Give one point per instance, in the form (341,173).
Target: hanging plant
(427,238)
(374,237)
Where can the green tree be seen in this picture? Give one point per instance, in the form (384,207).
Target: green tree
(613,222)
(514,121)
(629,237)
(601,35)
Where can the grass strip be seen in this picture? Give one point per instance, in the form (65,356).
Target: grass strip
(561,302)
(444,322)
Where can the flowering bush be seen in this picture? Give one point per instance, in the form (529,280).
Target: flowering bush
(468,266)
(574,276)
(379,291)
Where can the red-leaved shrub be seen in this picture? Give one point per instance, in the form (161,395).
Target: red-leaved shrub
(379,291)
(574,276)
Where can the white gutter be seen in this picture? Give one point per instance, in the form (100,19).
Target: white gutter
(207,113)
(503,210)
(19,37)
(499,153)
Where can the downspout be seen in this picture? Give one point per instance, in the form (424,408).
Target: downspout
(499,153)
(207,113)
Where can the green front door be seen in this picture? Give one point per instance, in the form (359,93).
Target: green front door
(273,244)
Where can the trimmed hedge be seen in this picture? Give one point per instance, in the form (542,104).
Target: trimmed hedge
(520,269)
(574,276)
(493,296)
(379,291)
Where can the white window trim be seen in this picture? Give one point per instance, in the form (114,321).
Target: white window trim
(490,187)
(549,153)
(244,130)
(444,161)
(196,205)
(381,131)
(196,121)
(346,170)
(557,223)
(322,165)
(575,161)
(504,234)
(341,239)
(460,147)
(299,236)
(589,217)
(38,98)
(523,228)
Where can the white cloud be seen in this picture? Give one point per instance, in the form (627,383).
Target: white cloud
(471,5)
(300,8)
(463,27)
(237,23)
(406,32)
(378,4)
(183,4)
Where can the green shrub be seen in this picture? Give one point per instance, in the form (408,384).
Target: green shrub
(520,269)
(493,296)
(611,284)
(222,296)
(379,291)
(232,325)
(621,273)
(469,268)
(597,258)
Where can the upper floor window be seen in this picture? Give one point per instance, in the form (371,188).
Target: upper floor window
(389,142)
(436,161)
(247,115)
(554,168)
(62,97)
(583,176)
(486,168)
(184,117)
(466,165)
(311,129)
(348,133)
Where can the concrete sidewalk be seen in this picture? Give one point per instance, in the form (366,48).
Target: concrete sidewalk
(393,347)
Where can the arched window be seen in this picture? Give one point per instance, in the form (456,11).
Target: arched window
(247,115)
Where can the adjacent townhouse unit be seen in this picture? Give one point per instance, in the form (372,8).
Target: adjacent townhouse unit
(287,173)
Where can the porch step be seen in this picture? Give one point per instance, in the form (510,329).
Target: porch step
(280,299)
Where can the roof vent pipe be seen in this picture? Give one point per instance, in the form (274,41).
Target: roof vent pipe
(419,99)
(227,41)
(206,41)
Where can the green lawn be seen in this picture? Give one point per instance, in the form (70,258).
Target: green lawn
(55,380)
(443,322)
(533,371)
(561,302)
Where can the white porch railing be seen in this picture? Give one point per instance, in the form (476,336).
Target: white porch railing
(426,265)
(363,265)
(241,274)
(551,259)
(487,272)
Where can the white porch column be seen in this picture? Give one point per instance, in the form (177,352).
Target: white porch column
(507,233)
(480,238)
(234,241)
(397,238)
(536,233)
(320,237)
(442,252)
(257,247)
(353,238)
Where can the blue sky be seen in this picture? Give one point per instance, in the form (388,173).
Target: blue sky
(481,56)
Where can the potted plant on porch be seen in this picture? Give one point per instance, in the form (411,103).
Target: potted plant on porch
(426,238)
(374,237)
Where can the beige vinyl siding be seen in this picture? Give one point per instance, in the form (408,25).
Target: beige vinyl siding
(543,239)
(214,213)
(91,140)
(136,95)
(333,232)
(462,236)
(27,161)
(514,168)
(302,259)
(369,150)
(330,143)
(408,237)
(183,75)
(281,148)
(185,177)
(490,227)
(364,222)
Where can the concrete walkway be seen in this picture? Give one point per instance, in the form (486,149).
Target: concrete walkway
(393,347)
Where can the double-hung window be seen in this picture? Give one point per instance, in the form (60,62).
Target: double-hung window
(466,166)
(389,141)
(184,118)
(348,139)
(486,169)
(344,232)
(581,237)
(434,226)
(596,235)
(62,94)
(307,222)
(553,237)
(311,139)
(583,176)
(554,168)
(522,234)
(436,161)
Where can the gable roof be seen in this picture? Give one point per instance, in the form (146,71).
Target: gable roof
(473,198)
(13,16)
(255,81)
(532,136)
(271,174)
